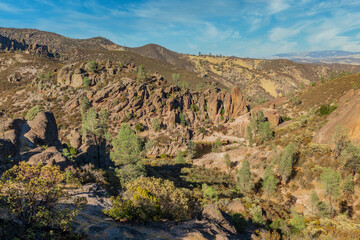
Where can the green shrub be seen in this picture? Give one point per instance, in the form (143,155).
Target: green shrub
(139,127)
(325,110)
(217,145)
(141,76)
(182,119)
(138,204)
(156,124)
(24,185)
(297,222)
(256,212)
(86,82)
(174,202)
(91,66)
(209,192)
(31,114)
(180,159)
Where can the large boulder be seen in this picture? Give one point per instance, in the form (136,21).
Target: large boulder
(221,220)
(50,156)
(43,130)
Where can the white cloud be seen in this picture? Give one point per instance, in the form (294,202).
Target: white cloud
(276,6)
(279,34)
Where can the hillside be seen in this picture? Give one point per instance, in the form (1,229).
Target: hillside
(323,57)
(160,53)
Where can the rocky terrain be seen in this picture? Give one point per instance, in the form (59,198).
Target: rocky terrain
(216,128)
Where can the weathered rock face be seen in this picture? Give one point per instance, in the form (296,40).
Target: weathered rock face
(71,76)
(235,104)
(11,45)
(43,130)
(50,156)
(347,115)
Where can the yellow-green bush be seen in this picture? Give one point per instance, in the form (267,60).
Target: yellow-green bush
(149,198)
(138,204)
(33,195)
(174,202)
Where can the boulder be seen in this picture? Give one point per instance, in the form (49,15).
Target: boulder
(221,220)
(50,156)
(43,130)
(236,207)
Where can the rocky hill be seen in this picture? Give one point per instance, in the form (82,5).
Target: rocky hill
(328,57)
(230,149)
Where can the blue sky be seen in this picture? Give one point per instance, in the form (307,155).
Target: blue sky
(244,28)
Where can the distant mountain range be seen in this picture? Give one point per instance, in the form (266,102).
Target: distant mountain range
(342,57)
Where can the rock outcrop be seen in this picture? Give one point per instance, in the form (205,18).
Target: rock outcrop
(43,130)
(50,156)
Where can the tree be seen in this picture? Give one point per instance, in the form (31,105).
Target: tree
(351,155)
(249,135)
(182,119)
(175,77)
(314,201)
(217,145)
(244,178)
(141,76)
(35,195)
(191,149)
(156,124)
(287,159)
(256,119)
(297,222)
(126,154)
(85,104)
(91,66)
(265,132)
(269,181)
(331,182)
(229,164)
(348,185)
(86,82)
(180,159)
(94,131)
(126,147)
(341,140)
(209,192)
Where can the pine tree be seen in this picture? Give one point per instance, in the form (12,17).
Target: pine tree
(141,76)
(180,159)
(341,141)
(314,201)
(348,185)
(191,149)
(351,155)
(286,161)
(94,131)
(126,147)
(331,182)
(244,178)
(126,155)
(265,132)
(249,135)
(229,164)
(270,181)
(85,104)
